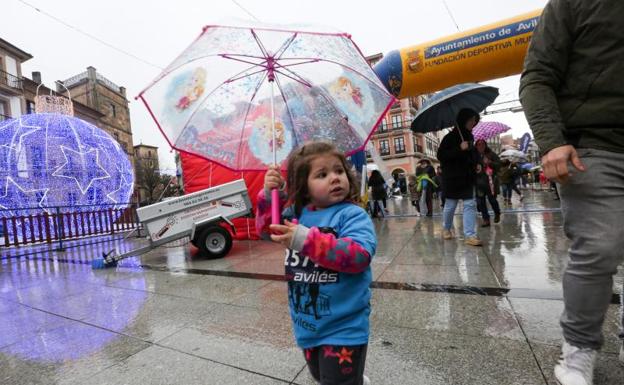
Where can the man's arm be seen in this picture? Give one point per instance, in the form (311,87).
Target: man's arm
(545,67)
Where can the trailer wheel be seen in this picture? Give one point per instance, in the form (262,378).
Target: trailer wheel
(214,242)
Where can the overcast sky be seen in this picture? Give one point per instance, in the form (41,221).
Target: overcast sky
(157,31)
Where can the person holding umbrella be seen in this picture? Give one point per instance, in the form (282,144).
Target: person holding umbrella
(458,159)
(490,164)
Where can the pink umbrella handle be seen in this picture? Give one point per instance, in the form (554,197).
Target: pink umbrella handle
(275,212)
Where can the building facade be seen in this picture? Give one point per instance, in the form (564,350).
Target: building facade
(145,160)
(12,101)
(97,92)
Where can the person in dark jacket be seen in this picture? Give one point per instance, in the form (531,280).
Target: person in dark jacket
(378,188)
(458,159)
(572,92)
(487,182)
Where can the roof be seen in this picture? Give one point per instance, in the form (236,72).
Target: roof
(22,55)
(144,145)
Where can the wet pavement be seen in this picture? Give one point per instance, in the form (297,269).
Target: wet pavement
(443,312)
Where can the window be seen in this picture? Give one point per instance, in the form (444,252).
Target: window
(149,153)
(384,147)
(116,135)
(399,145)
(397,121)
(417,146)
(4,110)
(383,125)
(432,146)
(113,109)
(30,107)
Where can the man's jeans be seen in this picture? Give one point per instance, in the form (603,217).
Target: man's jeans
(593,214)
(470,216)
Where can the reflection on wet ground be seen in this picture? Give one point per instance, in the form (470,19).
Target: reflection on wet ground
(443,312)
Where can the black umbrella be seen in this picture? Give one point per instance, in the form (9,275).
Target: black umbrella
(440,111)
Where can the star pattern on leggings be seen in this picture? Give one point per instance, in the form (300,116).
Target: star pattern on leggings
(345,355)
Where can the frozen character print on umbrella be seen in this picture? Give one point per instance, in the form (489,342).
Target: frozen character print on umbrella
(330,242)
(193,89)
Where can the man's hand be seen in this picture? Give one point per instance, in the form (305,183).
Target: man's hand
(555,163)
(464,145)
(273,178)
(283,234)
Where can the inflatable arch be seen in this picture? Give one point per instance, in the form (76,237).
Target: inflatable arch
(489,52)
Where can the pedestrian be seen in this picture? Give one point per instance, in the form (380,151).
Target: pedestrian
(516,173)
(412,188)
(331,242)
(425,184)
(487,182)
(379,192)
(458,159)
(438,181)
(572,93)
(506,181)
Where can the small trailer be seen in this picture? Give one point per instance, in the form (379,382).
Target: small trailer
(200,216)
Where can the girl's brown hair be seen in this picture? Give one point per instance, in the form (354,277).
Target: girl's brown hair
(299,169)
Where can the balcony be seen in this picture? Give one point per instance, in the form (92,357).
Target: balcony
(11,82)
(4,117)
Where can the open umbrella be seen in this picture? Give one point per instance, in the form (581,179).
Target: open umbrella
(440,110)
(245,97)
(488,130)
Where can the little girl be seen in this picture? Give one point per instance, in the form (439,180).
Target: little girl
(330,242)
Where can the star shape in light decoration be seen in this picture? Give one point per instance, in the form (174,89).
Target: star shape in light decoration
(345,355)
(123,184)
(13,193)
(22,131)
(83,167)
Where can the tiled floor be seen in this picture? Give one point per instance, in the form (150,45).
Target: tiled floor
(170,318)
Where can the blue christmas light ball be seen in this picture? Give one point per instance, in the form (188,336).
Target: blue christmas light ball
(51,160)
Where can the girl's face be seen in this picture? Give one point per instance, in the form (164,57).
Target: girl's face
(327,182)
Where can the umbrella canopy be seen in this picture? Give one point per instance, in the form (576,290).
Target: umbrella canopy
(527,166)
(245,97)
(440,111)
(513,155)
(488,130)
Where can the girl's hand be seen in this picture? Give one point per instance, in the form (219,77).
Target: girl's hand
(273,178)
(283,234)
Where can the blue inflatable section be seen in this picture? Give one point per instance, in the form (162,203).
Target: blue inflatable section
(390,72)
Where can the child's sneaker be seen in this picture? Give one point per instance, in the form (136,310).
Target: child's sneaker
(576,366)
(366,380)
(447,234)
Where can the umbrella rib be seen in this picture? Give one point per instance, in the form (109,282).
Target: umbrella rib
(295,77)
(242,75)
(290,115)
(253,96)
(367,78)
(257,39)
(230,57)
(285,46)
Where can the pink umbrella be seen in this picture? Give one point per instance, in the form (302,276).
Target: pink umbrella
(488,130)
